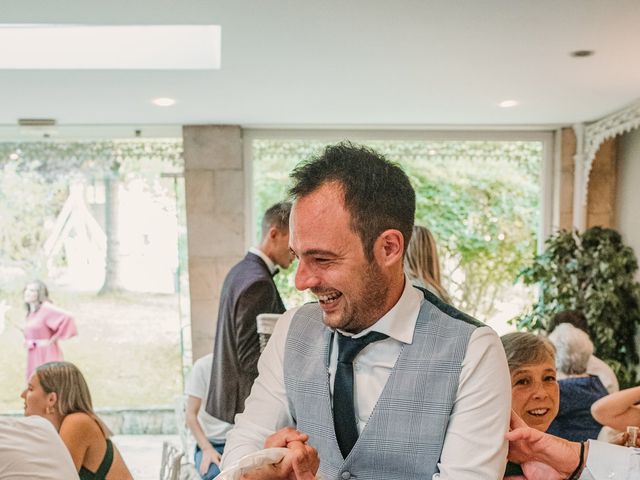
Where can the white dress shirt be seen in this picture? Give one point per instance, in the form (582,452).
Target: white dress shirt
(607,461)
(597,367)
(270,265)
(474,446)
(30,448)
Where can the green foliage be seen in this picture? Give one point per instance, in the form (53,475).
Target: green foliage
(484,214)
(480,199)
(592,272)
(25,201)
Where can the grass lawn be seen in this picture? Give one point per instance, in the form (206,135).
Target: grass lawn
(128,348)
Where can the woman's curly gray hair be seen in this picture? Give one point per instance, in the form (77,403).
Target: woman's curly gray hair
(573,349)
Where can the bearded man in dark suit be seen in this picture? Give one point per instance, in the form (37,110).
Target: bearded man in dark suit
(247,291)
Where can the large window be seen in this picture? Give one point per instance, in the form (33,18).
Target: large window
(102,224)
(480,198)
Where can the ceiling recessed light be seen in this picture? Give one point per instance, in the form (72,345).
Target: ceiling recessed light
(508,103)
(163,102)
(582,53)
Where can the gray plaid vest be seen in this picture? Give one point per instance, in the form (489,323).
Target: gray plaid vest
(403,437)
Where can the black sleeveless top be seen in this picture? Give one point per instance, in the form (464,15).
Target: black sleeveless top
(103,469)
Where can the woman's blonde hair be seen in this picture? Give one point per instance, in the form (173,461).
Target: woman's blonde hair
(421,261)
(67,381)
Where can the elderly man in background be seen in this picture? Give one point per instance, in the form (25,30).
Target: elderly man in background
(578,389)
(595,366)
(382,379)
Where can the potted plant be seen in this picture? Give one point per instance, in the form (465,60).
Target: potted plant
(592,272)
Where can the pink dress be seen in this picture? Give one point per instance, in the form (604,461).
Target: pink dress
(46,323)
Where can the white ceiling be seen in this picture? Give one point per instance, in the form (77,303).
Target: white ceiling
(380,63)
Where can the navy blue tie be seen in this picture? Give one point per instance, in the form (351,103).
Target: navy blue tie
(344,417)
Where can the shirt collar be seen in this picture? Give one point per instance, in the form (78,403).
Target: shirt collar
(270,265)
(399,322)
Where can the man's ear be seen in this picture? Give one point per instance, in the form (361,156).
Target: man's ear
(389,247)
(273,232)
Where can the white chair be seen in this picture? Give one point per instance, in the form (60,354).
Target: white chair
(186,438)
(189,472)
(171,462)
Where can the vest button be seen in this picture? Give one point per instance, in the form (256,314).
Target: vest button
(346,475)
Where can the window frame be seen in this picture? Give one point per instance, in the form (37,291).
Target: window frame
(549,173)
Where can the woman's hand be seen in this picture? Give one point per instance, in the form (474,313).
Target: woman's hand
(209,456)
(621,439)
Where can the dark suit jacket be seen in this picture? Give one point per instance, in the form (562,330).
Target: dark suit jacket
(247,291)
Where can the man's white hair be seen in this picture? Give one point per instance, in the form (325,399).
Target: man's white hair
(573,349)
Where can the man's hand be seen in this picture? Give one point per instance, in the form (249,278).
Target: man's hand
(209,456)
(300,463)
(542,456)
(284,436)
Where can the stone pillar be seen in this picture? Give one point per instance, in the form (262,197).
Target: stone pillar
(601,199)
(567,166)
(215,204)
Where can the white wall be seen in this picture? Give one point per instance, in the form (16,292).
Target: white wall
(628,193)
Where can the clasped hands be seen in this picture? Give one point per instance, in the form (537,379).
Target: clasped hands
(300,463)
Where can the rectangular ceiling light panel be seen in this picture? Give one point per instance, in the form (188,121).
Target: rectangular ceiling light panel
(146,47)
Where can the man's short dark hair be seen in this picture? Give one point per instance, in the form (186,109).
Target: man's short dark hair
(574,317)
(377,192)
(277,215)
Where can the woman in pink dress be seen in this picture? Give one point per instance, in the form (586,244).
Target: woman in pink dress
(45,325)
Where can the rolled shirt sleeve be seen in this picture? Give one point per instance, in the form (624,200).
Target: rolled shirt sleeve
(606,461)
(475,447)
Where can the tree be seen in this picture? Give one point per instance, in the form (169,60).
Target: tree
(111,230)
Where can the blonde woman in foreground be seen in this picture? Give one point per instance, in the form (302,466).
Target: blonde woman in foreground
(58,392)
(421,262)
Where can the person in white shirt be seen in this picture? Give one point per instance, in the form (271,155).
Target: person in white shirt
(31,449)
(428,397)
(545,457)
(209,432)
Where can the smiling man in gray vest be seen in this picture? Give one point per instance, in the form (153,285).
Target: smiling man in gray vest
(381,379)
